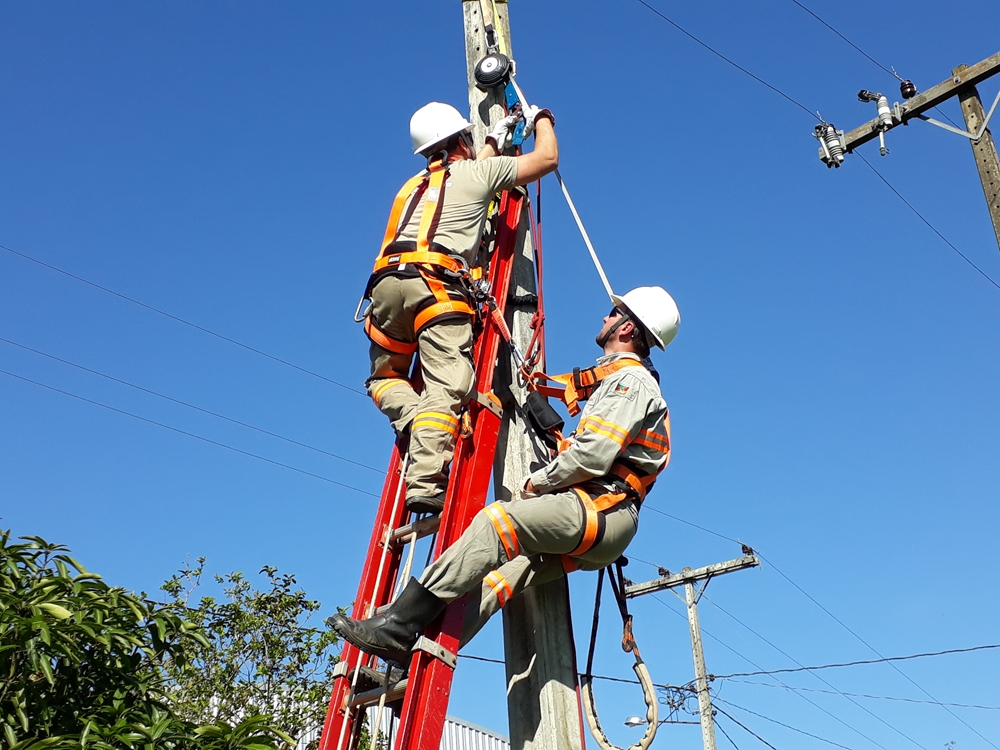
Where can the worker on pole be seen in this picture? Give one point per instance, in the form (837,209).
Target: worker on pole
(580,511)
(419,288)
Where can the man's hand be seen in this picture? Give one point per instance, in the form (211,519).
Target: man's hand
(529,489)
(501,133)
(531,114)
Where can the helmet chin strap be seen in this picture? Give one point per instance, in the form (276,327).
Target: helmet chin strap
(603,340)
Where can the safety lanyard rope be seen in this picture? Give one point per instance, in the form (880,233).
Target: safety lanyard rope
(628,645)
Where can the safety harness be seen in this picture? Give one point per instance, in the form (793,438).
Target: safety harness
(579,385)
(432,262)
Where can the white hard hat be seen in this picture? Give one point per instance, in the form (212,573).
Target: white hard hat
(435,122)
(655,309)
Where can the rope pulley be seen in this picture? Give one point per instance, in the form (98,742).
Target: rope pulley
(493,71)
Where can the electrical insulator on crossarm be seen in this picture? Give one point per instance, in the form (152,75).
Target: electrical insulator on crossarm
(885,121)
(831,144)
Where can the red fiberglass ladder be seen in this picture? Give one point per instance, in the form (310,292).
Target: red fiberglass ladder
(427,686)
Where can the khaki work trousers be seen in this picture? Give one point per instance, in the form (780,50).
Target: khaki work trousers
(545,528)
(445,351)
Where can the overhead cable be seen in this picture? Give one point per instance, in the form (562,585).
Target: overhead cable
(882,660)
(925,221)
(739,67)
(744,727)
(780,723)
(818,677)
(750,661)
(866,695)
(189,434)
(182,320)
(192,406)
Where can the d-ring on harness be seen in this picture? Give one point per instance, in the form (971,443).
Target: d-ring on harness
(628,644)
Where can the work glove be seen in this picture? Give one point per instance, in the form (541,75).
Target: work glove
(501,133)
(531,114)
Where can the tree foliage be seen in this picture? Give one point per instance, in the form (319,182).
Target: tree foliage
(260,657)
(82,663)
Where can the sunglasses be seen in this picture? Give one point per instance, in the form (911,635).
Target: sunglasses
(615,311)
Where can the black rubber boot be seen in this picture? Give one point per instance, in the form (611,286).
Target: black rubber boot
(432,504)
(391,635)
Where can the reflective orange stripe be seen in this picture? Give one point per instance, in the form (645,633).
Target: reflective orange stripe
(437,420)
(504,528)
(590,520)
(654,440)
(605,428)
(384,385)
(393,345)
(501,587)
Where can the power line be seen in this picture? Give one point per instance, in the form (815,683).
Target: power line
(873,697)
(781,724)
(189,434)
(731,62)
(789,656)
(890,660)
(891,72)
(882,660)
(182,320)
(744,727)
(192,406)
(726,735)
(749,661)
(647,506)
(925,221)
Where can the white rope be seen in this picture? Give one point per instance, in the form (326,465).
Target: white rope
(572,207)
(586,237)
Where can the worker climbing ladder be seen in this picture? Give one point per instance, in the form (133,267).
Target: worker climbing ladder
(359,684)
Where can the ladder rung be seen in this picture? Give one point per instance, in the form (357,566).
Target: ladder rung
(370,697)
(423,527)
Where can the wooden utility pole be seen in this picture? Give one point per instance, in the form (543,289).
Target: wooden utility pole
(542,704)
(962,84)
(983,149)
(688,579)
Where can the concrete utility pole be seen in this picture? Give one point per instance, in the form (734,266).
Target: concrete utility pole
(542,704)
(688,578)
(963,85)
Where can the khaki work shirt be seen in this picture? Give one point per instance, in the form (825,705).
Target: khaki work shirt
(626,417)
(470,187)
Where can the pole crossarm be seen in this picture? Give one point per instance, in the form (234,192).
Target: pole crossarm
(922,102)
(691,576)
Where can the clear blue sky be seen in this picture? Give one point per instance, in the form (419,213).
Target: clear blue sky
(833,386)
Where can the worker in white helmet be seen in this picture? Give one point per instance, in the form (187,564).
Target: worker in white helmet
(419,302)
(578,512)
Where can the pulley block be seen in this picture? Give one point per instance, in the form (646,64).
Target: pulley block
(493,71)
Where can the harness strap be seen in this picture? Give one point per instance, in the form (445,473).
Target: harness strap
(593,521)
(399,204)
(429,257)
(579,385)
(444,305)
(639,484)
(379,336)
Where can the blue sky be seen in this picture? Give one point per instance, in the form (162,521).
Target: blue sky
(832,388)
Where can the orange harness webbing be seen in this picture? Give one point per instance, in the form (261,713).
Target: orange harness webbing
(430,182)
(579,385)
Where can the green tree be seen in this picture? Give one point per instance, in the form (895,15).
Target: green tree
(261,657)
(82,663)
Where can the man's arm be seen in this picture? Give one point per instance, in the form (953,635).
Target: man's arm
(536,163)
(609,423)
